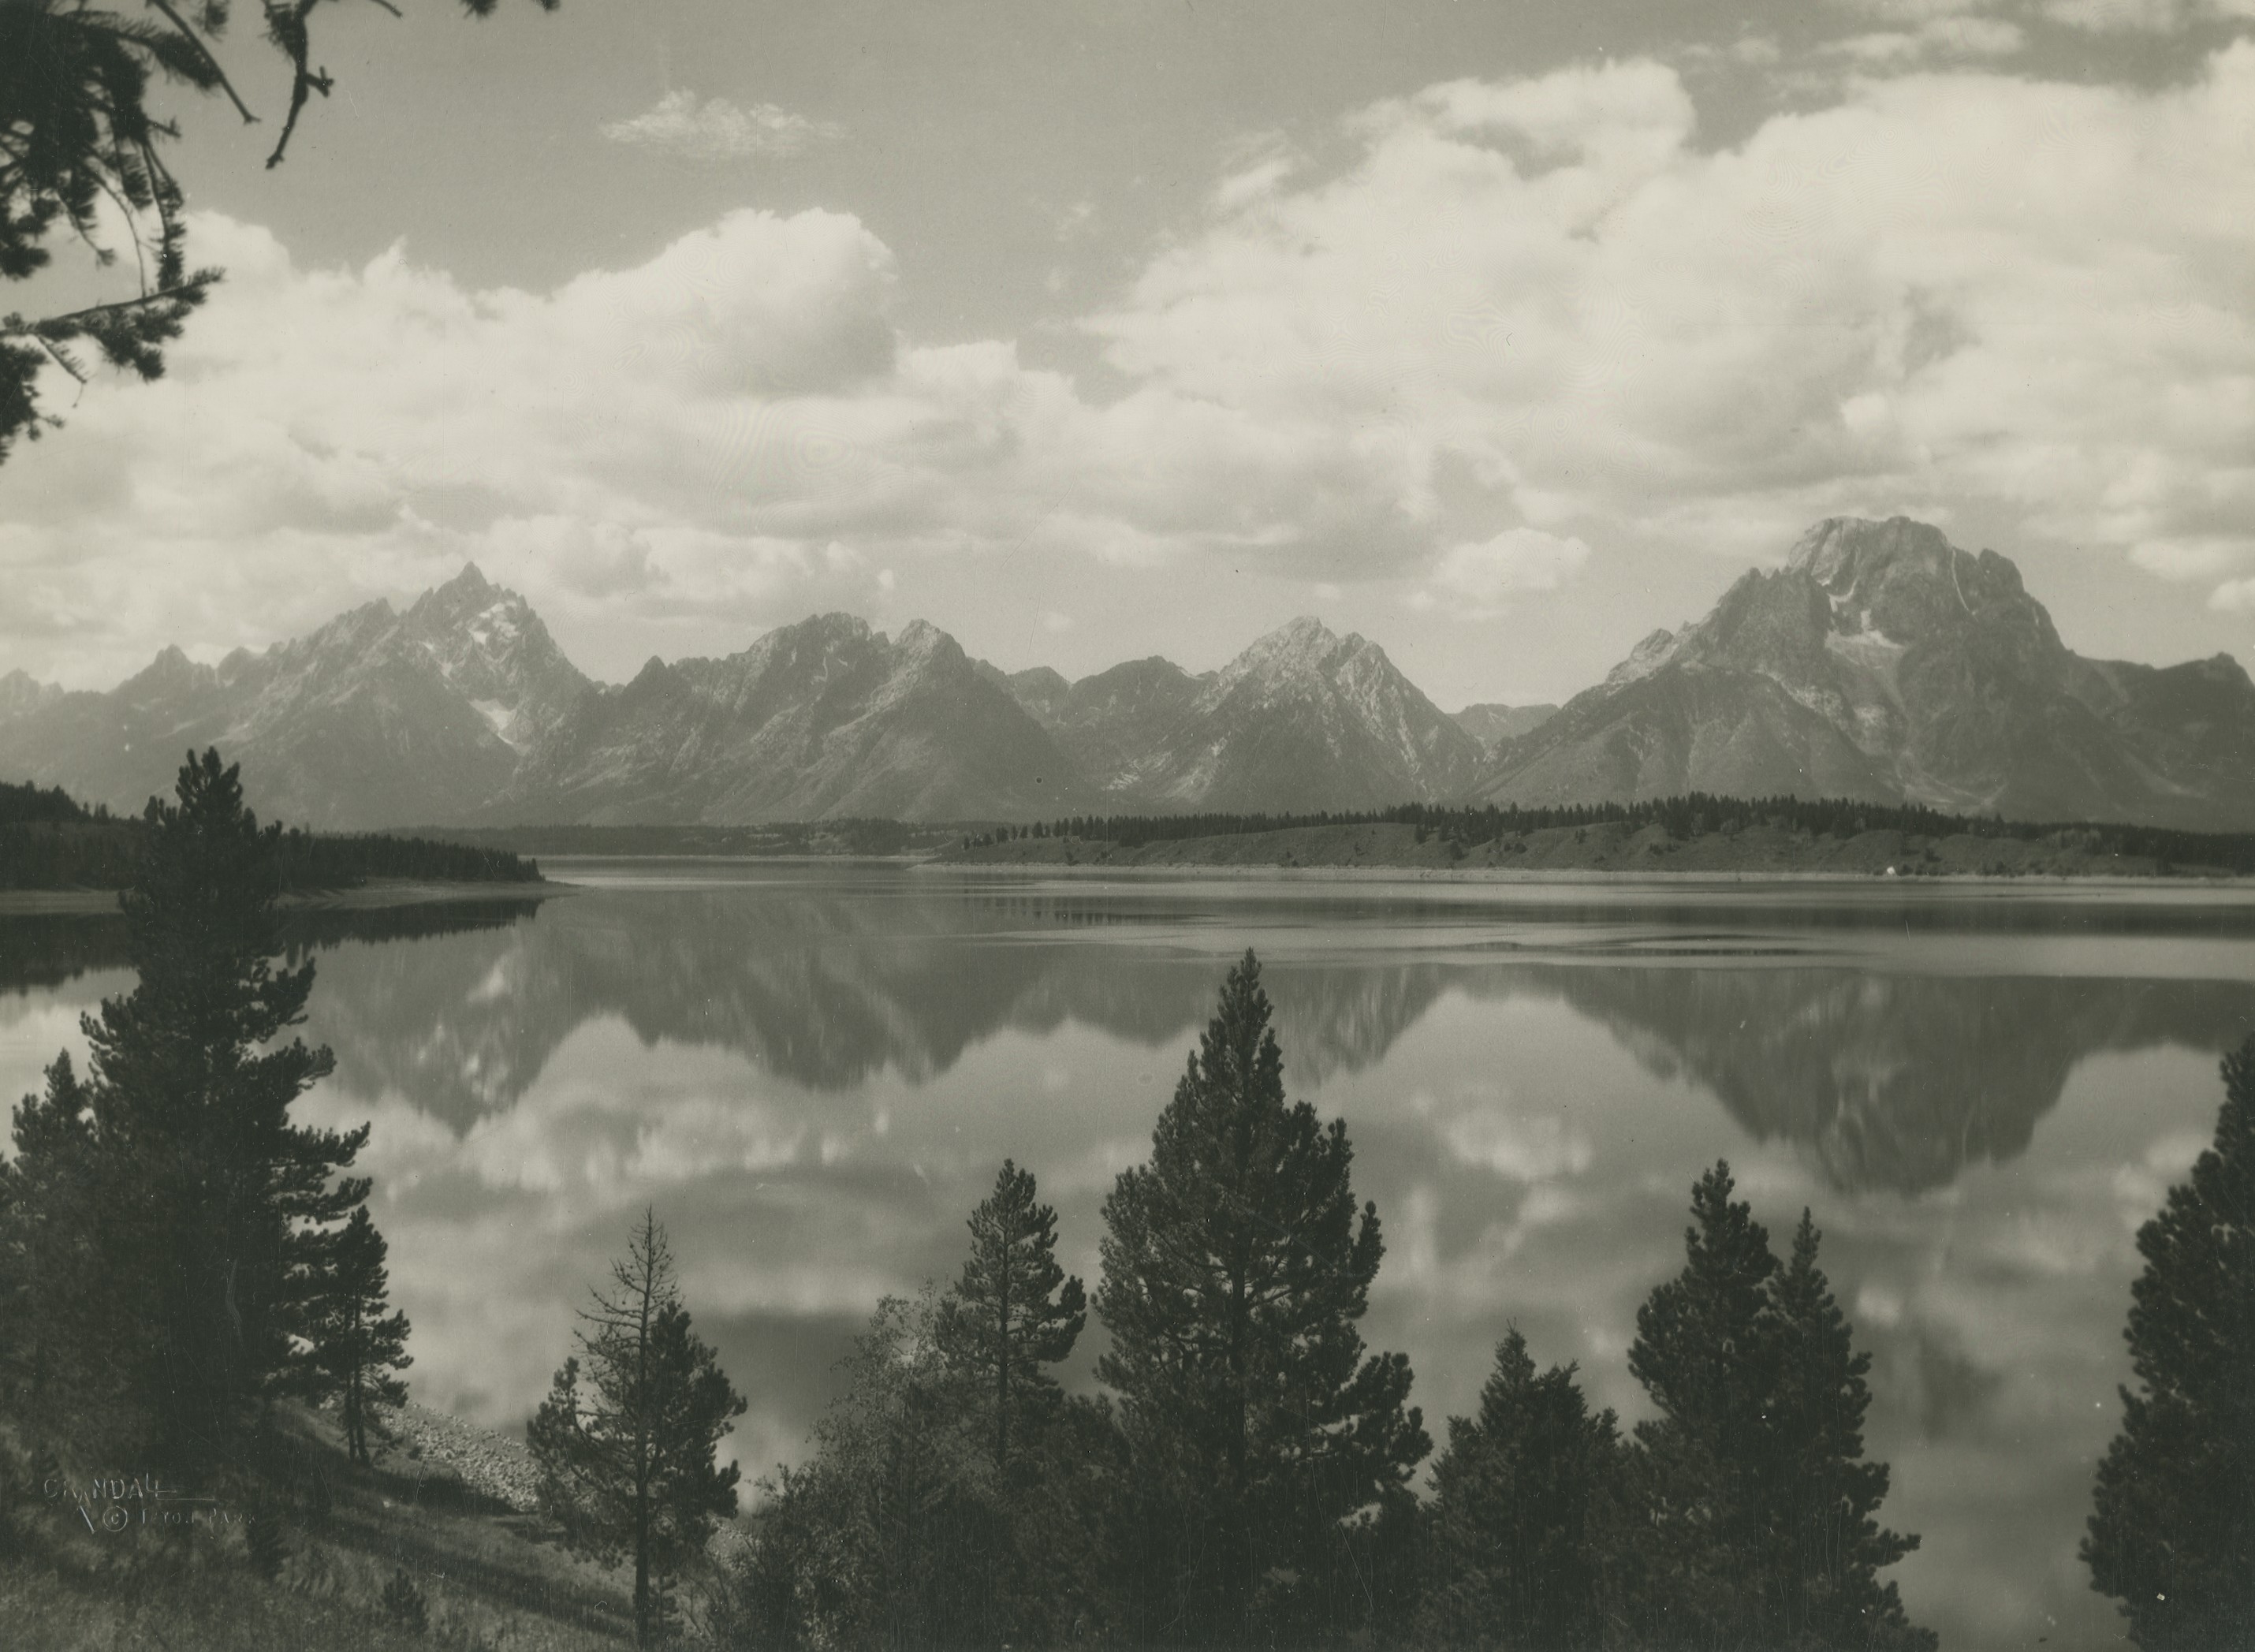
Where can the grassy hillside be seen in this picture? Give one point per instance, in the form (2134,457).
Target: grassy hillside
(448,1508)
(1618,847)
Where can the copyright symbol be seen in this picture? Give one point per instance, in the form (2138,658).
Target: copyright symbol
(115,1519)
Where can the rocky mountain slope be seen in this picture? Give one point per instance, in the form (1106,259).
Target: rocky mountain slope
(1883,662)
(377,719)
(20,692)
(1303,720)
(1490,723)
(820,719)
(1108,723)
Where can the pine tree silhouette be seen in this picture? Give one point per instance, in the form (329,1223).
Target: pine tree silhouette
(1012,1311)
(1828,1589)
(1756,1502)
(1235,1267)
(205,1279)
(357,1343)
(626,1464)
(1518,1523)
(2173,1536)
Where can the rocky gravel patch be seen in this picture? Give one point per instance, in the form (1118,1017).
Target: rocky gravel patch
(481,1459)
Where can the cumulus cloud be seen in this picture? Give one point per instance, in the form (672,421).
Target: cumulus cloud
(1538,301)
(1488,572)
(1948,291)
(714,128)
(1939,38)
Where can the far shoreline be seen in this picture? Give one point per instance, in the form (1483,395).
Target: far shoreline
(375,894)
(1582,877)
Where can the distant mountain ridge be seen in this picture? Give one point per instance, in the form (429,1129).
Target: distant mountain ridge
(1881,662)
(1490,723)
(817,721)
(377,718)
(20,692)
(1303,718)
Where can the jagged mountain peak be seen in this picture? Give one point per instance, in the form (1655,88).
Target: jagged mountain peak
(1882,661)
(1304,648)
(460,599)
(471,581)
(835,623)
(171,672)
(922,637)
(1849,545)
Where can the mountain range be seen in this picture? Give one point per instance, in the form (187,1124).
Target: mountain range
(1879,662)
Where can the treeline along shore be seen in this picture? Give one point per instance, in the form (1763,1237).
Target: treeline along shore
(1692,834)
(199,1385)
(51,841)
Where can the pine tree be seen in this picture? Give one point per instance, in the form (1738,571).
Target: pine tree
(1235,1268)
(2173,1536)
(1517,1529)
(1757,1505)
(1828,1588)
(357,1345)
(1701,1355)
(55,1367)
(1012,1311)
(207,1274)
(627,1464)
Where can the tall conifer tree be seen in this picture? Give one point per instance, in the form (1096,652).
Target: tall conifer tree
(1758,1504)
(1701,1355)
(1013,1311)
(1827,1586)
(626,1463)
(56,1366)
(1235,1268)
(208,1272)
(1519,1519)
(2173,1536)
(359,1340)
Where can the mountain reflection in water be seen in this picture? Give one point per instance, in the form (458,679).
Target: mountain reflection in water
(1887,1080)
(813,1074)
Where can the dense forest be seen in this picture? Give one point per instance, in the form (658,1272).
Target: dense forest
(1248,1473)
(849,836)
(48,840)
(1692,815)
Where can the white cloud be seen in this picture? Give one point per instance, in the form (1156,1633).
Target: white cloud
(1936,39)
(1948,292)
(1537,301)
(1519,1147)
(2110,17)
(1488,572)
(2234,596)
(717,130)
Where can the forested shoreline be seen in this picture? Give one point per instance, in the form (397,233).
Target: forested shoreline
(1694,832)
(1247,1473)
(49,840)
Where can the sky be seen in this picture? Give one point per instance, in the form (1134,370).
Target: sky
(1501,334)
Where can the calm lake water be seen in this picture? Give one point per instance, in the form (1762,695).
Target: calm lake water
(813,1073)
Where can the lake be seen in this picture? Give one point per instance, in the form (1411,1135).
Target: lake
(811,1073)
